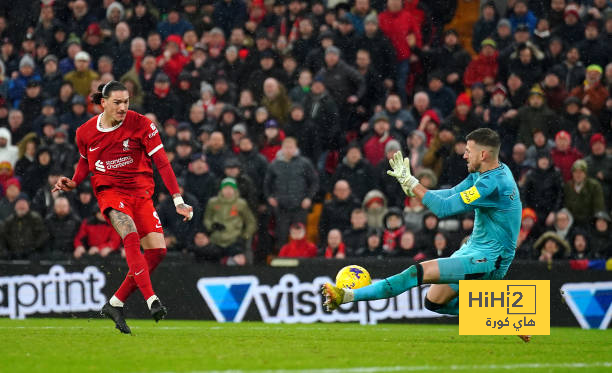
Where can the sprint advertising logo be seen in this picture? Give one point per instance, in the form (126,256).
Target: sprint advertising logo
(496,307)
(590,302)
(294,301)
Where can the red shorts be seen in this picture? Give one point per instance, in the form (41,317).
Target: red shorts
(140,209)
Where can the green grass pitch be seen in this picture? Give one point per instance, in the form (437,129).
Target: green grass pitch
(82,345)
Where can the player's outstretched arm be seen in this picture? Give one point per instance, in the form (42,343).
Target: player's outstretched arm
(65,184)
(169,178)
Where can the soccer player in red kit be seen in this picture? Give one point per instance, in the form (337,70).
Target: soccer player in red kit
(117,147)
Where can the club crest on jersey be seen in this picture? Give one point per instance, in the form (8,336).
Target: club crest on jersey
(126,145)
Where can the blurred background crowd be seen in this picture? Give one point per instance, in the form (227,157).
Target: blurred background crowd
(279,117)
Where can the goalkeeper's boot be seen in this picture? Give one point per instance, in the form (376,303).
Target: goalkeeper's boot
(158,311)
(333,296)
(116,314)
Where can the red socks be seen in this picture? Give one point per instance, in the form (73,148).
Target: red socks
(152,257)
(138,268)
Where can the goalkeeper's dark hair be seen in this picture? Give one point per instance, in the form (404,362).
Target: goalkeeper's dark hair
(485,137)
(105,90)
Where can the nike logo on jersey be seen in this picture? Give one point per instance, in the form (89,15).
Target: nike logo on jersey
(93,149)
(139,272)
(157,226)
(121,205)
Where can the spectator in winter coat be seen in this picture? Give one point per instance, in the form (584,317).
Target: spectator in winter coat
(11,193)
(600,164)
(357,171)
(394,228)
(381,50)
(375,206)
(439,149)
(485,26)
(27,72)
(8,151)
(400,27)
(230,222)
(535,115)
(161,101)
(298,245)
(23,234)
(373,248)
(572,69)
(543,189)
(356,236)
(484,67)
(82,76)
(564,155)
(337,211)
(601,235)
(289,186)
(551,247)
(592,93)
(454,167)
(62,226)
(583,195)
(450,60)
(528,234)
(335,247)
(564,223)
(374,145)
(322,111)
(580,246)
(254,165)
(463,120)
(425,237)
(96,237)
(442,97)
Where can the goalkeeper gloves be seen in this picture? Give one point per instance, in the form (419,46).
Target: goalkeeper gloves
(400,169)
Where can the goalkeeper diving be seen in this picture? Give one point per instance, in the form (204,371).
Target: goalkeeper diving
(490,191)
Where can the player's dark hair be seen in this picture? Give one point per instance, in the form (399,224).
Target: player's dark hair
(105,90)
(485,137)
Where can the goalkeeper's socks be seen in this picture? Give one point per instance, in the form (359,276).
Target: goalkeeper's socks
(153,258)
(137,265)
(391,286)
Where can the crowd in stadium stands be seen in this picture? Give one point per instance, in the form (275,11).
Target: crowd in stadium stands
(279,117)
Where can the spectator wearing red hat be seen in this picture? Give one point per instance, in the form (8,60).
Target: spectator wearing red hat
(430,121)
(93,42)
(600,165)
(572,30)
(298,245)
(173,59)
(463,120)
(564,154)
(11,192)
(484,67)
(528,234)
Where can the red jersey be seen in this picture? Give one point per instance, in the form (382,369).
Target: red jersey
(120,157)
